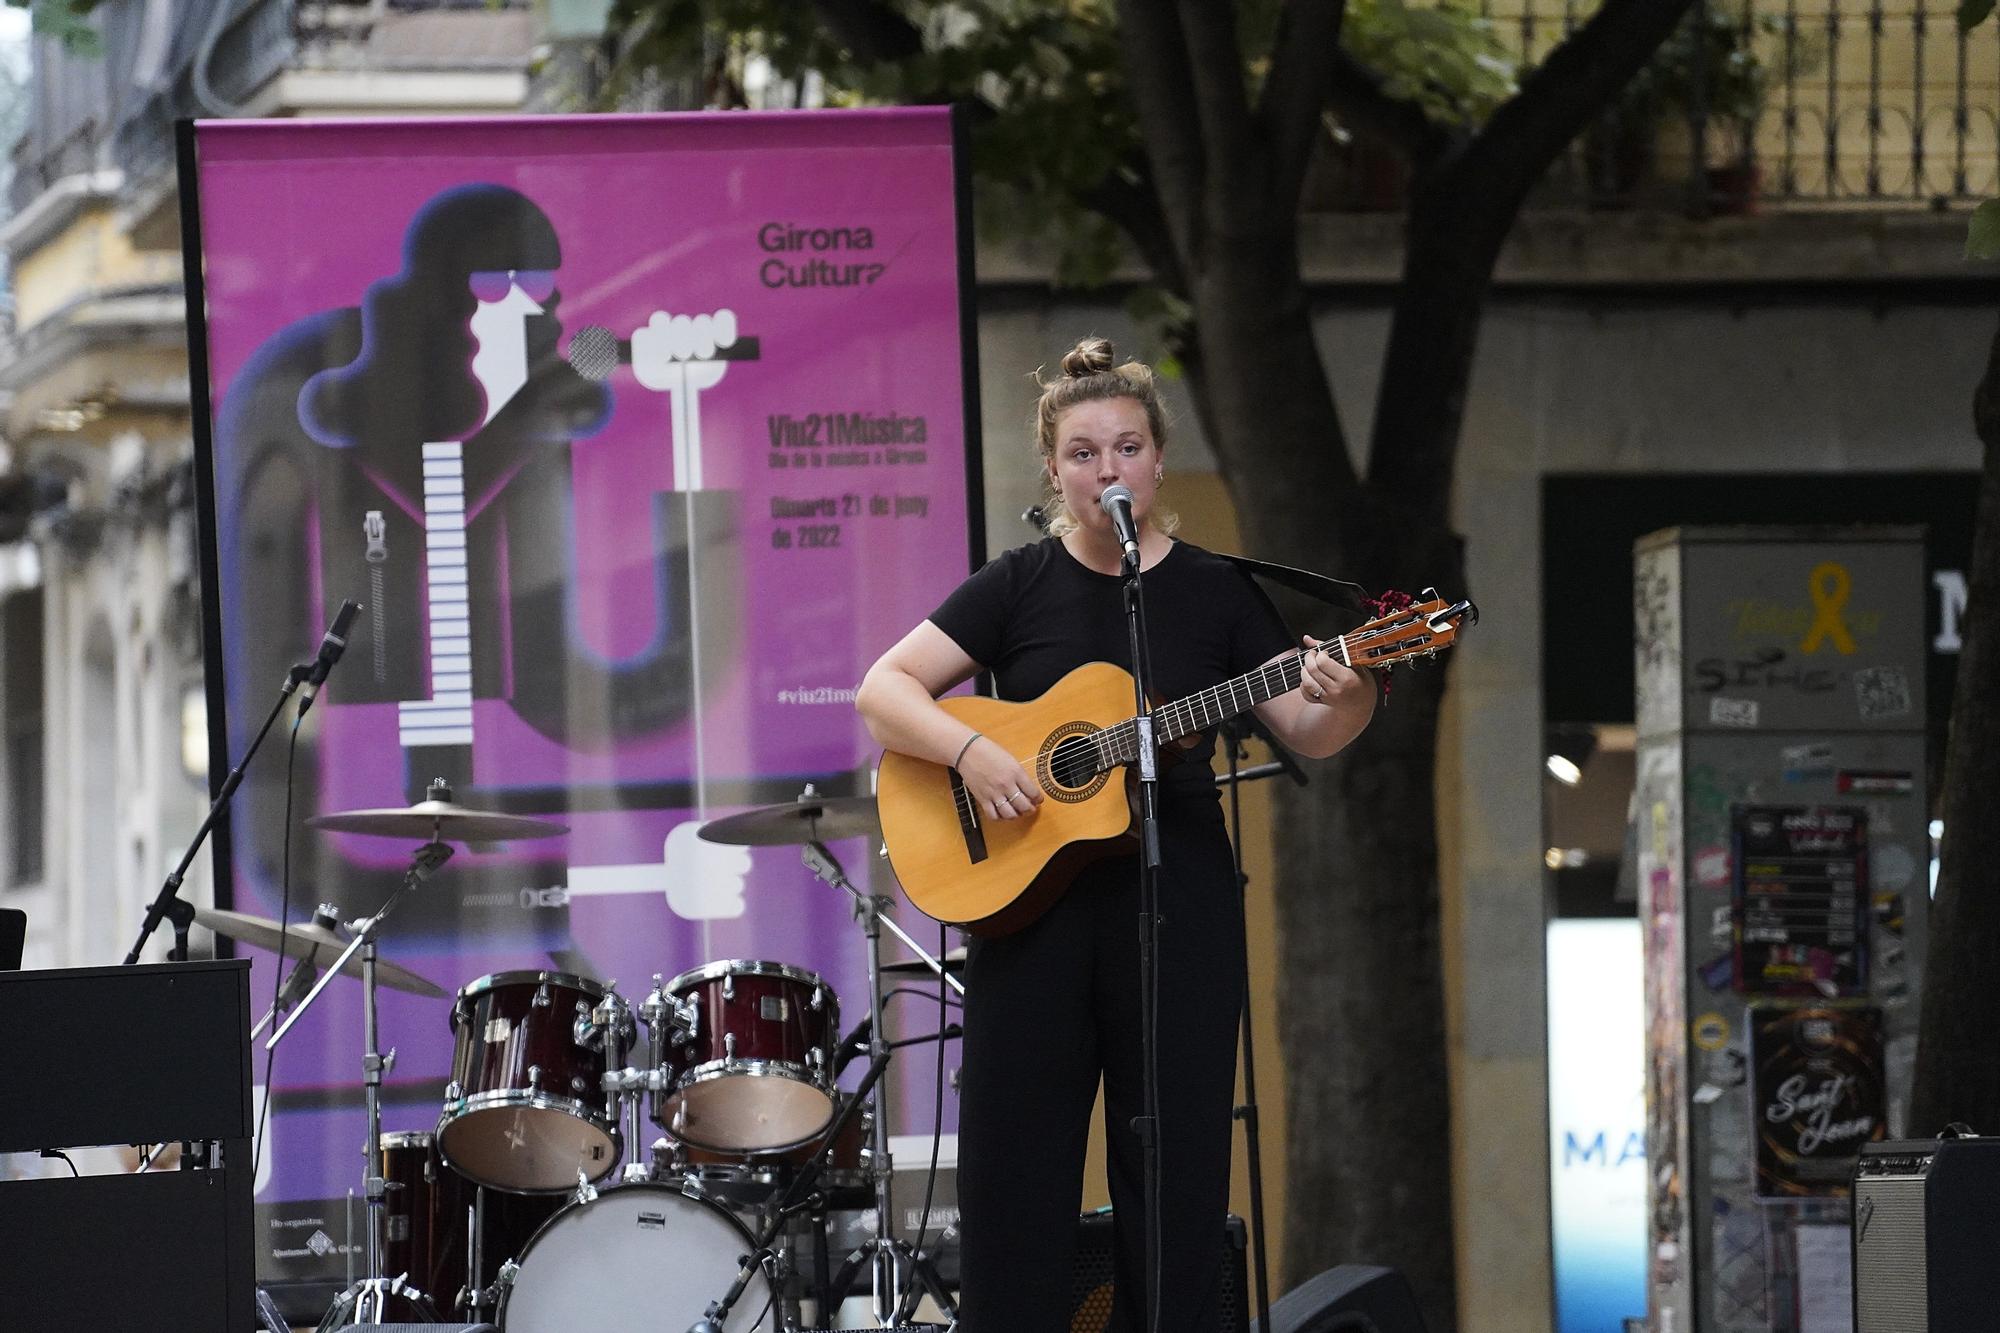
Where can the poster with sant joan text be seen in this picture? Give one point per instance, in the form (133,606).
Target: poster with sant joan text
(636,438)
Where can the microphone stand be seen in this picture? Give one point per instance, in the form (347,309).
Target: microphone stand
(1234,732)
(1148,1124)
(169,905)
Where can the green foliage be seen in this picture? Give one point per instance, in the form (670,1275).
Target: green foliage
(65,20)
(1712,62)
(1982,237)
(1050,68)
(1444,57)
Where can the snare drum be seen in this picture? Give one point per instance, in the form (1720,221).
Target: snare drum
(639,1258)
(752,1069)
(526,1109)
(749,1181)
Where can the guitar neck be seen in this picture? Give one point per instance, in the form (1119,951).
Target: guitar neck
(1184,717)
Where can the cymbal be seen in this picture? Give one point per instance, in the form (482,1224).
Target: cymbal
(809,819)
(438,820)
(954,963)
(302,938)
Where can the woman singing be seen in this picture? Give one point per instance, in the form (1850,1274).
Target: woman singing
(1054,1006)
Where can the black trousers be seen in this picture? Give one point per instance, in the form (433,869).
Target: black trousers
(1051,1008)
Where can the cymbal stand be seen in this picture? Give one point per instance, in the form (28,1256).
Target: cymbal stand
(893,1265)
(369,1297)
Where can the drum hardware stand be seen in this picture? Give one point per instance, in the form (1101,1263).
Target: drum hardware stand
(612,1022)
(1234,732)
(303,974)
(369,1297)
(893,1265)
(803,1195)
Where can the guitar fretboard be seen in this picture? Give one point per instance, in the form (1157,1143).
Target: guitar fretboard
(1119,744)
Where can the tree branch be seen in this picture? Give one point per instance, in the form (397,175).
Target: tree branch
(1156,64)
(870,30)
(1221,106)
(1296,90)
(1356,95)
(1460,213)
(1128,200)
(1577,81)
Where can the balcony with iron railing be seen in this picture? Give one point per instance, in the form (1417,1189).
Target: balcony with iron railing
(1795,103)
(1751,104)
(220,53)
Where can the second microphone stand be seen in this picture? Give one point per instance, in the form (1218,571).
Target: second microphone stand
(1234,732)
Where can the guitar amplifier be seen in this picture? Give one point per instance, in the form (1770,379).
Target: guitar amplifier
(1091,1279)
(1926,1230)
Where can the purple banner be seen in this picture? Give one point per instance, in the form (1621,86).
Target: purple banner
(637,438)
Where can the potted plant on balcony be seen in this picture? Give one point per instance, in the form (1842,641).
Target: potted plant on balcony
(1710,71)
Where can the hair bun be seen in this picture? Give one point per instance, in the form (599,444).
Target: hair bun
(1092,356)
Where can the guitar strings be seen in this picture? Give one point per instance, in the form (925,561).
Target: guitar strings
(1117,744)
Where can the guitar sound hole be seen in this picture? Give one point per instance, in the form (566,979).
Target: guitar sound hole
(1073,763)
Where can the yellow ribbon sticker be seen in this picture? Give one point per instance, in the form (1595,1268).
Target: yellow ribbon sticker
(1829,584)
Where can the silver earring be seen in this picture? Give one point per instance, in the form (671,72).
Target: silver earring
(1159,475)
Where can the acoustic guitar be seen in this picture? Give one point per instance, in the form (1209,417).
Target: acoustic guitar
(991,876)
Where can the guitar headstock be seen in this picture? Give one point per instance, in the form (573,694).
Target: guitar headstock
(1421,629)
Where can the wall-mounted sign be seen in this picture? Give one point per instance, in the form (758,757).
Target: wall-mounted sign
(1819,1095)
(1799,899)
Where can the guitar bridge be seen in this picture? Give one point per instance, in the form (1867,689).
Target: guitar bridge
(968,819)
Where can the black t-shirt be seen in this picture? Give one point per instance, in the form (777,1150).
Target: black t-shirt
(1035,614)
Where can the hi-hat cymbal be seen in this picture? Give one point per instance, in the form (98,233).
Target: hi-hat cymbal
(808,819)
(304,937)
(440,821)
(954,963)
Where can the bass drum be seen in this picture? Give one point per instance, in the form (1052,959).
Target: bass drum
(639,1258)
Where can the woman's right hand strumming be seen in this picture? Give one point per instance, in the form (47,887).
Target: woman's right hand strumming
(898,702)
(997,782)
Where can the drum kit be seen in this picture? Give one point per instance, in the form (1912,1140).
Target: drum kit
(513,1209)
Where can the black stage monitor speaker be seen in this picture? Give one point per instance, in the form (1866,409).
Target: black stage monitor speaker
(1926,1229)
(1353,1298)
(1090,1284)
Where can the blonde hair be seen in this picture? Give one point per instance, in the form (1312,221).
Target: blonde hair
(1089,376)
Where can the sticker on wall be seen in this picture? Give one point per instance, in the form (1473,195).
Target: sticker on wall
(1711,1031)
(1875,782)
(1732,712)
(1881,692)
(1806,763)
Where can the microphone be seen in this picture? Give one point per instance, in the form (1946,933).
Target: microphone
(330,649)
(1116,501)
(595,352)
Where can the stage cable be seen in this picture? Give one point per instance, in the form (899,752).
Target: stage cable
(913,990)
(284,925)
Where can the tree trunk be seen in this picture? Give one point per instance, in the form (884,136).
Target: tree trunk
(1958,1076)
(1361,1005)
